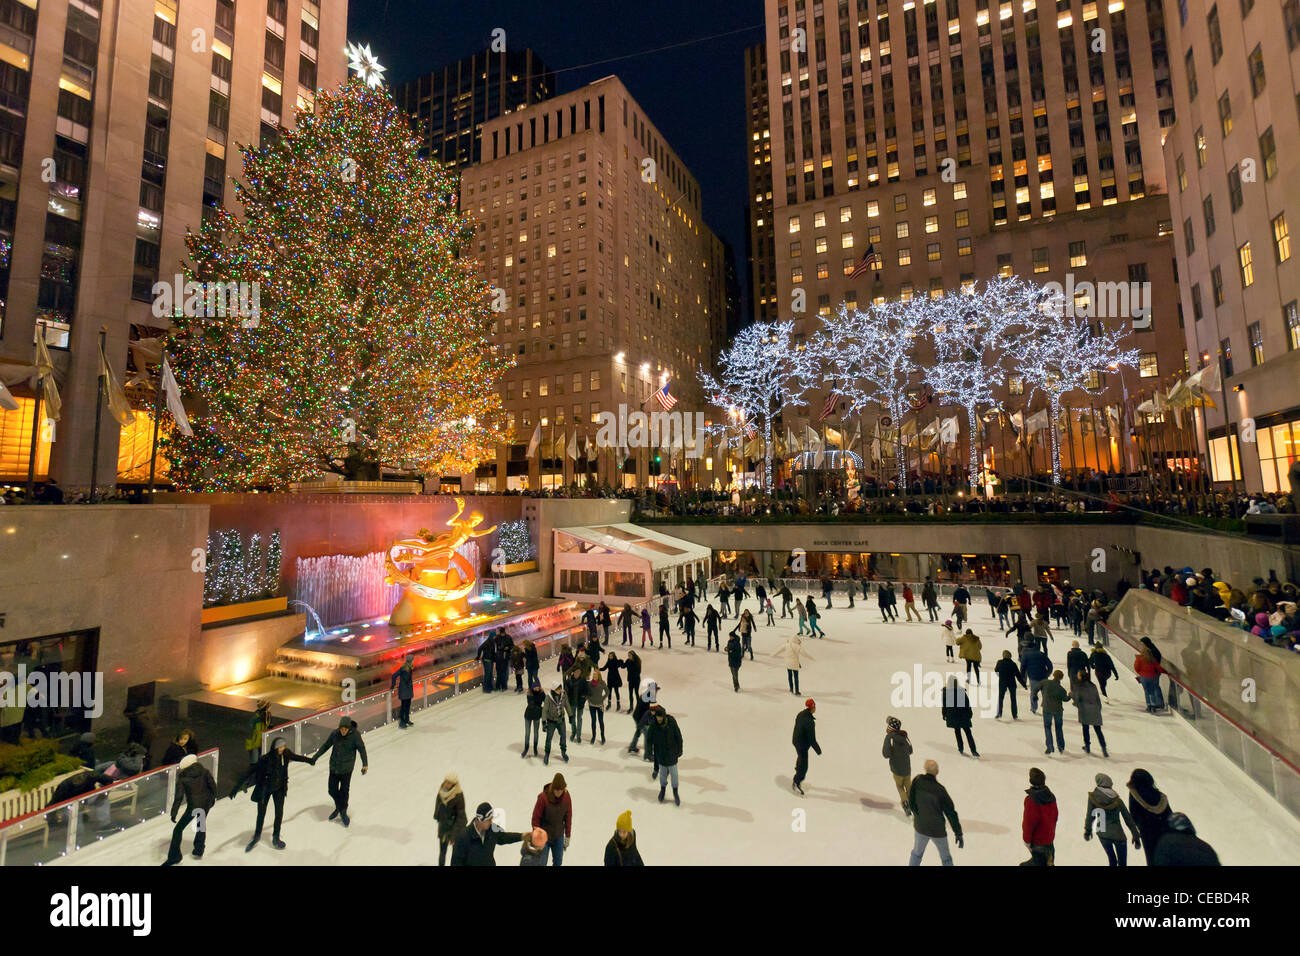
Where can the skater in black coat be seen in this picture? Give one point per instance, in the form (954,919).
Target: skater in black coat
(663,739)
(344,745)
(805,738)
(487,656)
(270,779)
(1009,674)
(1150,810)
(194,784)
(533,716)
(711,621)
(633,679)
(1180,846)
(957,714)
(476,845)
(735,655)
(1103,668)
(613,681)
(449,813)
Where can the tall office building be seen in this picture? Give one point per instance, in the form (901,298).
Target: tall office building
(1233,160)
(760,237)
(118,130)
(964,139)
(451,105)
(591,230)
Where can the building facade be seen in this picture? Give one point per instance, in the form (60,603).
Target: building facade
(607,282)
(963,139)
(1233,158)
(760,234)
(118,131)
(451,105)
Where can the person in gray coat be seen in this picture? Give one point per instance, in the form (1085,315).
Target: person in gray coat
(344,744)
(1104,812)
(898,751)
(555,709)
(402,680)
(1087,701)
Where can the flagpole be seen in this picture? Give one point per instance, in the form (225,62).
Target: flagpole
(1069,428)
(99,408)
(157,413)
(36,420)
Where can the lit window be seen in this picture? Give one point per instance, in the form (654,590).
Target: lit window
(931,223)
(794,224)
(1281,238)
(904,257)
(1247,264)
(1148,365)
(846,214)
(846,240)
(873,209)
(932,252)
(1041,262)
(929,197)
(901,229)
(958,190)
(1078,255)
(819,220)
(964,246)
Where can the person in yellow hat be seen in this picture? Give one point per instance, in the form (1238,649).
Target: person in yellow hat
(621,849)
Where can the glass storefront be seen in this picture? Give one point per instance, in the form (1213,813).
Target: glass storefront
(1279,447)
(62,659)
(875,565)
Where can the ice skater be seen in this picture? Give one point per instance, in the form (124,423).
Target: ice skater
(555,709)
(596,693)
(793,653)
(449,814)
(897,749)
(476,845)
(805,739)
(270,778)
(633,667)
(344,745)
(735,657)
(664,740)
(625,623)
(645,627)
(402,680)
(1009,674)
(711,621)
(949,638)
(613,681)
(1104,812)
(957,714)
(533,716)
(970,646)
(813,627)
(931,805)
(194,785)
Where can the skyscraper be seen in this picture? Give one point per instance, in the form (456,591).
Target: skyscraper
(118,130)
(963,139)
(451,105)
(760,249)
(1233,167)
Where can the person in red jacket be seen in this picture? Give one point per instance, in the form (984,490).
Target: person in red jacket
(553,812)
(1178,592)
(1024,601)
(1038,825)
(1148,672)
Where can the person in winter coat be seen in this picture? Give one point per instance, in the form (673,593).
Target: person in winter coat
(813,617)
(449,814)
(1009,674)
(553,812)
(885,601)
(613,681)
(1054,698)
(1038,822)
(633,680)
(786,597)
(260,725)
(1087,701)
(647,696)
(909,604)
(532,848)
(793,653)
(949,635)
(1037,668)
(664,630)
(746,628)
(195,785)
(688,619)
(625,618)
(1076,660)
(711,622)
(555,708)
(1041,632)
(270,778)
(518,660)
(531,662)
(805,739)
(621,849)
(1103,668)
(533,716)
(970,652)
(1104,812)
(645,627)
(177,750)
(1150,810)
(664,740)
(897,750)
(1148,672)
(960,604)
(403,680)
(930,598)
(957,714)
(504,645)
(487,656)
(735,655)
(1180,846)
(605,621)
(344,744)
(596,693)
(803,614)
(931,806)
(476,844)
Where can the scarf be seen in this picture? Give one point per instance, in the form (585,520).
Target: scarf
(448,795)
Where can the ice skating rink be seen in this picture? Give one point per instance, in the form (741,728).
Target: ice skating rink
(738,807)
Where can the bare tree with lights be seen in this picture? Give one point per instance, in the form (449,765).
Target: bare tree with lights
(763,373)
(1060,350)
(871,353)
(973,333)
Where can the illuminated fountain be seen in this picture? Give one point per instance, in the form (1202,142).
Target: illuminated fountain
(436,578)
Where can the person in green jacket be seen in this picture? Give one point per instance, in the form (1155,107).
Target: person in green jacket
(1054,698)
(261,724)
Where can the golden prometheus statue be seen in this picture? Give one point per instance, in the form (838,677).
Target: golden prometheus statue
(436,579)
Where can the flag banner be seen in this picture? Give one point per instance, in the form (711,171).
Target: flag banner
(949,429)
(875,449)
(144,352)
(664,398)
(7,400)
(535,442)
(118,406)
(573,446)
(1037,421)
(923,399)
(172,395)
(857,437)
(49,390)
(791,443)
(1210,379)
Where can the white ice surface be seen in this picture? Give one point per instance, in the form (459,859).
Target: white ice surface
(737,803)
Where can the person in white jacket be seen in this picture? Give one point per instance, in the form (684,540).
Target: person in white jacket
(794,654)
(949,638)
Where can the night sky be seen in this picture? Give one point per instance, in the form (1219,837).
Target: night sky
(695,93)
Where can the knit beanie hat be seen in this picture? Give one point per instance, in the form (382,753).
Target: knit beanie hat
(484,811)
(893,723)
(810,704)
(624,821)
(1036,777)
(1104,781)
(188,760)
(345,721)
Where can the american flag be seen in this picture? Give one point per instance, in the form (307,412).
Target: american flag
(868,261)
(664,399)
(832,403)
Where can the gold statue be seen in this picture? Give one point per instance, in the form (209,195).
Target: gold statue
(438,580)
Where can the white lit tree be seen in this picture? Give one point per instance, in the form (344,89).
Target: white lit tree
(871,354)
(1060,350)
(763,373)
(972,333)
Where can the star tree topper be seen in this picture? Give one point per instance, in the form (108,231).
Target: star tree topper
(365,64)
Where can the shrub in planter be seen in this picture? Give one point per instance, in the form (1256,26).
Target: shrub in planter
(27,765)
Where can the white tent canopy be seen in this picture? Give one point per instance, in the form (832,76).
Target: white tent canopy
(623,563)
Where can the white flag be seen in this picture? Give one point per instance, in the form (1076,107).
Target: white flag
(118,406)
(172,394)
(573,446)
(535,441)
(45,371)
(7,401)
(591,449)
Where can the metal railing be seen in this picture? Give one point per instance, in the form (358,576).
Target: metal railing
(43,836)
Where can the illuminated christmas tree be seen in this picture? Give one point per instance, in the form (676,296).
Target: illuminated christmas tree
(369,347)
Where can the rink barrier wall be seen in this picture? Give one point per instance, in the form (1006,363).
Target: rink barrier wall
(44,836)
(1207,663)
